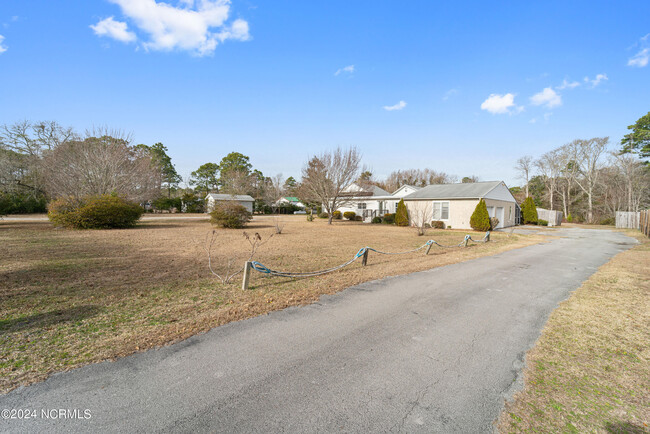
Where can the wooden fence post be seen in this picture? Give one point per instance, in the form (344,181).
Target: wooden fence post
(466,241)
(428,248)
(247,275)
(364,260)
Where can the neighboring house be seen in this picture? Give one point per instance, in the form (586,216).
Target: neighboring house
(372,201)
(289,200)
(454,204)
(243,199)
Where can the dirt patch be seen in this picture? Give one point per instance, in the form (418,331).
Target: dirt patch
(590,369)
(70,298)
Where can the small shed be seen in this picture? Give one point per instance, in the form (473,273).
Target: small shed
(243,199)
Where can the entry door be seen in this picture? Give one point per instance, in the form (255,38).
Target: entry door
(501,216)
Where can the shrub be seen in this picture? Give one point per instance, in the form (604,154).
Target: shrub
(168,203)
(494,222)
(402,214)
(480,220)
(569,218)
(94,212)
(542,222)
(310,217)
(437,224)
(336,215)
(350,215)
(323,215)
(376,220)
(608,221)
(230,214)
(358,218)
(529,211)
(389,219)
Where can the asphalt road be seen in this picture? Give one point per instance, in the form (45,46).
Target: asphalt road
(435,351)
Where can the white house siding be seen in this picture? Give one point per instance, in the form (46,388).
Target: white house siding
(460,211)
(508,211)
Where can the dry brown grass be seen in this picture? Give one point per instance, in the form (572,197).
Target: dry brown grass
(590,371)
(69,298)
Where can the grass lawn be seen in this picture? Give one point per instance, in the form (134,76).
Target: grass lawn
(70,298)
(590,369)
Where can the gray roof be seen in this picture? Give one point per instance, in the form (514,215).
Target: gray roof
(237,197)
(473,190)
(376,191)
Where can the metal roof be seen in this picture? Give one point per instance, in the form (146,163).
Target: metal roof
(238,197)
(473,190)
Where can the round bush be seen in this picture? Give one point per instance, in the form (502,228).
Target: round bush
(94,212)
(437,224)
(376,220)
(231,215)
(358,218)
(336,215)
(389,219)
(350,215)
(323,215)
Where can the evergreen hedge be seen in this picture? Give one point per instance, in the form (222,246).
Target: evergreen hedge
(480,220)
(402,214)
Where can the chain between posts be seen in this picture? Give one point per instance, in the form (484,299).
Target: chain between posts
(362,253)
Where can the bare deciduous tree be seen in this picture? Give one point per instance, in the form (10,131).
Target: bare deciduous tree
(421,216)
(416,177)
(22,145)
(550,167)
(524,166)
(587,159)
(100,165)
(325,176)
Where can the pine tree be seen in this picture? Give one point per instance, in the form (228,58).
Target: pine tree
(529,211)
(402,214)
(480,220)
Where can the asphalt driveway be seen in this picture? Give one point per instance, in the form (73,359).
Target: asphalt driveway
(434,351)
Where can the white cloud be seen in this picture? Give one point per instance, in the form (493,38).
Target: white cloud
(640,59)
(3,48)
(547,97)
(347,69)
(500,104)
(113,29)
(195,26)
(399,106)
(566,84)
(596,81)
(449,94)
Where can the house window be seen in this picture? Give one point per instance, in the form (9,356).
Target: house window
(361,205)
(440,210)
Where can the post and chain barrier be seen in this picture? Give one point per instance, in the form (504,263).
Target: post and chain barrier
(362,253)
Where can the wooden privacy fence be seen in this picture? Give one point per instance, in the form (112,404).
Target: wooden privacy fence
(554,218)
(627,219)
(644,222)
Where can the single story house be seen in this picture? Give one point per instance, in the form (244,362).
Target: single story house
(243,199)
(454,204)
(372,201)
(289,200)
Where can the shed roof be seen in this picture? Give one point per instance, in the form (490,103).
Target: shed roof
(473,190)
(237,197)
(292,199)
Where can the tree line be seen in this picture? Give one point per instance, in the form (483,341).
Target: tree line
(587,179)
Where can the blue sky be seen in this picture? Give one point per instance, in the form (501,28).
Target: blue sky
(460,87)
